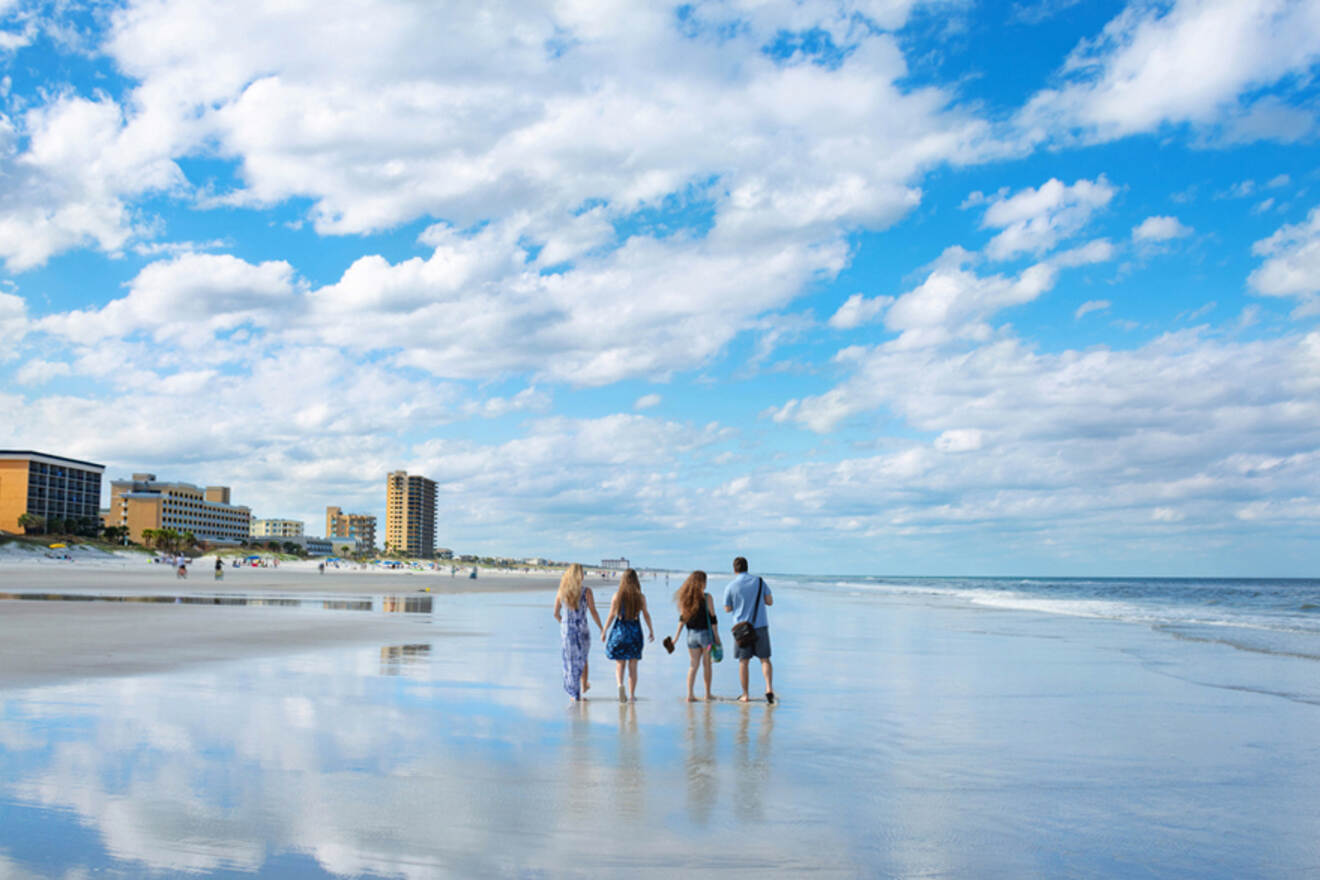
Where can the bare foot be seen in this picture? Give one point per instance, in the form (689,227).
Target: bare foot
(744,699)
(691,699)
(586,686)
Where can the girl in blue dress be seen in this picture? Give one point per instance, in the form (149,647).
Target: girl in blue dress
(572,603)
(623,640)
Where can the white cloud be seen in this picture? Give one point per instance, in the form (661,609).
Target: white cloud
(1093,305)
(1035,220)
(960,440)
(647,401)
(1159,228)
(38,372)
(1188,61)
(859,310)
(186,300)
(69,185)
(1292,264)
(13,324)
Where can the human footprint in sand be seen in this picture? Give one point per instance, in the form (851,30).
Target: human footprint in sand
(572,604)
(696,611)
(622,633)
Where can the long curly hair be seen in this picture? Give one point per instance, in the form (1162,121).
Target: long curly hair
(570,586)
(630,595)
(691,597)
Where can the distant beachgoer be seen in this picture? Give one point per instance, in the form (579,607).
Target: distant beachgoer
(696,611)
(219,569)
(320,568)
(182,569)
(572,604)
(623,640)
(746,598)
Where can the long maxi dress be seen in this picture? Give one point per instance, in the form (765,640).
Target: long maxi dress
(576,634)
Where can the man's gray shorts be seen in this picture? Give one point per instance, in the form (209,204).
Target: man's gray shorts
(761,649)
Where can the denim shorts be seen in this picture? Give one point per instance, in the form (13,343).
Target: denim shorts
(700,638)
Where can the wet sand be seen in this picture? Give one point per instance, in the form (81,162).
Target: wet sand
(913,738)
(47,641)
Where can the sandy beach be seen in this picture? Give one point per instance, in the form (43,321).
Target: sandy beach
(915,737)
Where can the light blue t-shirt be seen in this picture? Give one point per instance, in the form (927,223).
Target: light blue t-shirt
(740,595)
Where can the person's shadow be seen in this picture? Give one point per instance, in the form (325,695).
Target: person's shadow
(752,759)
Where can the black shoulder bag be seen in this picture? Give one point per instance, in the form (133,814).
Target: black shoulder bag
(744,632)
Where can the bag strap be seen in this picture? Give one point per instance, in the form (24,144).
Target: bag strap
(756,606)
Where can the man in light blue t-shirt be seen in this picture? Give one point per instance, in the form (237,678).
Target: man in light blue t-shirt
(740,601)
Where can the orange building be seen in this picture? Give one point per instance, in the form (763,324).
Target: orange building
(49,486)
(147,503)
(410,514)
(357,527)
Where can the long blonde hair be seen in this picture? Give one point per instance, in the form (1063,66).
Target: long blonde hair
(691,597)
(630,595)
(570,586)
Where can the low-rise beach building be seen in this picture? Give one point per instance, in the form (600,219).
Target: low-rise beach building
(276,528)
(359,527)
(49,486)
(147,503)
(617,564)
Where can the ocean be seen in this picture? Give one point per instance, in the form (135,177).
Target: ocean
(1267,615)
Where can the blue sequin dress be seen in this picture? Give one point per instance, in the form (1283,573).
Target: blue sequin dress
(625,640)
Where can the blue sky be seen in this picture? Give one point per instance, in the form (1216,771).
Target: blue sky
(861,287)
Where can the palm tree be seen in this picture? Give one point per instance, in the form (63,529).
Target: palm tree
(30,522)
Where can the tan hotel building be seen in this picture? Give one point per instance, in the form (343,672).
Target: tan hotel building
(410,514)
(146,503)
(49,486)
(357,527)
(276,528)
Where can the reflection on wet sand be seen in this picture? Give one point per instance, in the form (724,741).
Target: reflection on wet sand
(630,787)
(753,760)
(387,604)
(702,772)
(404,659)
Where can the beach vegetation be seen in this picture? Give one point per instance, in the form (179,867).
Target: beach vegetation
(31,523)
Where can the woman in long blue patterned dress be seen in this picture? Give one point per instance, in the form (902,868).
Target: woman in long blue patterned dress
(572,603)
(623,641)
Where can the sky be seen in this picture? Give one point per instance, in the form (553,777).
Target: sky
(843,286)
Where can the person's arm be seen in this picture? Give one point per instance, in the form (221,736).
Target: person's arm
(591,606)
(614,606)
(557,608)
(650,631)
(678,632)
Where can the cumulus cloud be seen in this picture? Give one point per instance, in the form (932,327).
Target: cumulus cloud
(1034,220)
(647,401)
(1202,62)
(72,166)
(859,310)
(187,300)
(1292,262)
(1159,228)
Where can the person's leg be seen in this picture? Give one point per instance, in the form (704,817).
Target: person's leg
(768,670)
(705,662)
(586,685)
(632,679)
(695,655)
(742,677)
